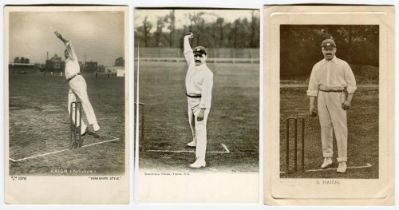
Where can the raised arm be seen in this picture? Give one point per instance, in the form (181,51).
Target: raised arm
(188,51)
(67,43)
(59,36)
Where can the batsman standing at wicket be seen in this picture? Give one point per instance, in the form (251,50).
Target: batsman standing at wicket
(333,83)
(77,87)
(199,82)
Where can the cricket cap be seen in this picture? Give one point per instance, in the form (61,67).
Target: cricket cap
(199,50)
(328,43)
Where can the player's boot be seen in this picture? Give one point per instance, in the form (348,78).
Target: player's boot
(198,164)
(341,167)
(96,127)
(326,163)
(94,133)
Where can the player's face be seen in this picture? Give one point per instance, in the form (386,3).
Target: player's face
(199,59)
(329,52)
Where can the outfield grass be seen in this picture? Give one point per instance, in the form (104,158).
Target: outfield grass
(233,120)
(39,123)
(362,134)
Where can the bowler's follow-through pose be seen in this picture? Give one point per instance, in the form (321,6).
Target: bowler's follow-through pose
(199,82)
(78,88)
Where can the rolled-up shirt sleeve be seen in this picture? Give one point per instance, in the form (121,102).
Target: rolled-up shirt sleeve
(350,79)
(206,93)
(313,88)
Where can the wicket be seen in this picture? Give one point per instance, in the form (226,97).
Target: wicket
(297,121)
(76,122)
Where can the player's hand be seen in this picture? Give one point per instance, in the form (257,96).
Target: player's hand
(189,35)
(57,34)
(312,111)
(201,114)
(346,105)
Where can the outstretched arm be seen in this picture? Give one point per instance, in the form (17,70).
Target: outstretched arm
(59,36)
(188,52)
(67,44)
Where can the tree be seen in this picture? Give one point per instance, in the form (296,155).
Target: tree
(171,19)
(254,36)
(234,32)
(219,23)
(119,62)
(158,33)
(239,33)
(197,24)
(146,31)
(300,47)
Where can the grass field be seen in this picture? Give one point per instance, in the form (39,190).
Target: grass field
(233,120)
(362,134)
(39,123)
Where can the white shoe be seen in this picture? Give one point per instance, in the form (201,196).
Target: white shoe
(83,129)
(192,143)
(326,163)
(198,164)
(341,167)
(96,127)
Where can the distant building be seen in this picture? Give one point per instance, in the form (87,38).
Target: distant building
(117,70)
(101,68)
(81,65)
(21,65)
(90,66)
(55,64)
(119,61)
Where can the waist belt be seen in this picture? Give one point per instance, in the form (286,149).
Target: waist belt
(70,78)
(334,91)
(193,95)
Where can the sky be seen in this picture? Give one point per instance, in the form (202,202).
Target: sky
(182,15)
(96,36)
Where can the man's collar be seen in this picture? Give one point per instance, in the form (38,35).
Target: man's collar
(334,60)
(202,65)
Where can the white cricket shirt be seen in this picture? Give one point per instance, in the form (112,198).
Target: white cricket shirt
(71,64)
(199,80)
(335,73)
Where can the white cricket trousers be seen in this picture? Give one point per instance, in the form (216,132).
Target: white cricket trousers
(198,128)
(333,118)
(78,88)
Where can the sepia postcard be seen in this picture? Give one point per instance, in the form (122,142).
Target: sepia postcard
(197,104)
(329,104)
(66,110)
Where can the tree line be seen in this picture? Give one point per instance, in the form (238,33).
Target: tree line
(240,33)
(300,46)
(21,60)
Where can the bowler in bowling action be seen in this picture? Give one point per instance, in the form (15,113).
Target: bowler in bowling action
(78,89)
(199,82)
